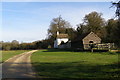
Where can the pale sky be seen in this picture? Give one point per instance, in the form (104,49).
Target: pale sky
(58,0)
(29,21)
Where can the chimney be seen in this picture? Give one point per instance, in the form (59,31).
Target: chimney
(57,32)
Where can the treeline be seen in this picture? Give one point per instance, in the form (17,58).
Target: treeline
(15,45)
(108,31)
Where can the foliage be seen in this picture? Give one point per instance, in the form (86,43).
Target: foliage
(117,4)
(111,29)
(24,46)
(58,24)
(93,22)
(72,33)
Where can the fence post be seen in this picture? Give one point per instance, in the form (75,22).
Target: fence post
(109,46)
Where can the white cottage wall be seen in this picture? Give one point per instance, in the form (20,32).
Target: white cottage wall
(58,41)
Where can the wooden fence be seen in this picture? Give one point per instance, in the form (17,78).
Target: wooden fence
(100,46)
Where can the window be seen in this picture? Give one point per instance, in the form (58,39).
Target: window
(91,42)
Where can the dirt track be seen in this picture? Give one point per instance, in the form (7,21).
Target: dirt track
(18,66)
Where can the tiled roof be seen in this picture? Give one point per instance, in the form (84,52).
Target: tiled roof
(62,36)
(91,35)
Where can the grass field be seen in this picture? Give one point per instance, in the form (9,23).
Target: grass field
(8,54)
(65,64)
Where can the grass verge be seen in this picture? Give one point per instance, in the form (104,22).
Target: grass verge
(8,54)
(65,64)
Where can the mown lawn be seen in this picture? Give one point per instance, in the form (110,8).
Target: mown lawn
(8,54)
(65,64)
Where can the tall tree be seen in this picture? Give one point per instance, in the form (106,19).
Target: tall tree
(14,45)
(95,23)
(117,32)
(71,32)
(15,42)
(80,29)
(57,24)
(111,29)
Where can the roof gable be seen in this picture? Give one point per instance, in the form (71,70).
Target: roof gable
(91,34)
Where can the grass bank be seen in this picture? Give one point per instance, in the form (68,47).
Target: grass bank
(8,54)
(65,64)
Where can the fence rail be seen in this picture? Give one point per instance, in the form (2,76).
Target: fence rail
(100,46)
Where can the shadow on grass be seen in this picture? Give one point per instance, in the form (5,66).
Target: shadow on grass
(104,52)
(77,70)
(74,50)
(57,50)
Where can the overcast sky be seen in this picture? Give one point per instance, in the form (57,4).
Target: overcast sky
(29,21)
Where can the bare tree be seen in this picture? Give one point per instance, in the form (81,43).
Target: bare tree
(117,4)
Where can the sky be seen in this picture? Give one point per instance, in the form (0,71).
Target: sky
(58,0)
(29,21)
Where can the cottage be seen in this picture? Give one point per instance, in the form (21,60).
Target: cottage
(84,42)
(62,41)
(91,38)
